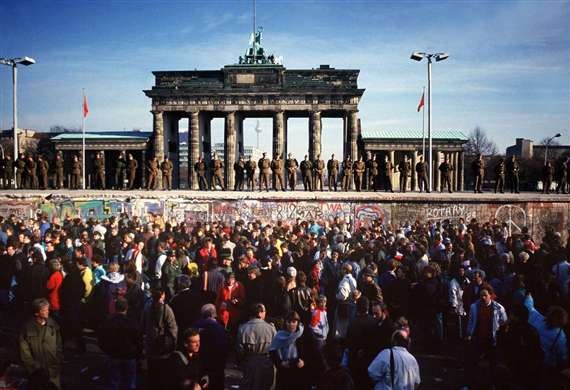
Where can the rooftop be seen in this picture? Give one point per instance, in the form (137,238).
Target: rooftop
(105,135)
(413,134)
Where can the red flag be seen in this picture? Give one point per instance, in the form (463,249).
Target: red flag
(85,107)
(421,102)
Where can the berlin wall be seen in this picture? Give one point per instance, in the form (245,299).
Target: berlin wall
(535,215)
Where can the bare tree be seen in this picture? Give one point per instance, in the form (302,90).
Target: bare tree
(553,141)
(63,129)
(479,143)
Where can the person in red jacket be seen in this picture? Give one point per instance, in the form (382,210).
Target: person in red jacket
(206,254)
(53,284)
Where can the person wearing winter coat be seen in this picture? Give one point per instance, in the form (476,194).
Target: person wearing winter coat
(346,297)
(457,286)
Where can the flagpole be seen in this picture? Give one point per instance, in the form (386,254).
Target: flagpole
(423,127)
(83,137)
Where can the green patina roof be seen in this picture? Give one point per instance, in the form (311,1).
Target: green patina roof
(412,134)
(105,135)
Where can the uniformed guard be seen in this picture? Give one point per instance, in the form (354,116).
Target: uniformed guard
(513,174)
(217,171)
(359,166)
(318,173)
(445,168)
(239,172)
(31,173)
(547,176)
(43,169)
(386,168)
(332,170)
(75,173)
(368,178)
(291,164)
(421,173)
(21,171)
(8,171)
(166,167)
(561,177)
(307,173)
(277,169)
(250,167)
(132,166)
(478,169)
(200,169)
(405,169)
(3,171)
(120,172)
(59,171)
(99,164)
(373,174)
(500,176)
(347,173)
(264,171)
(153,174)
(568,173)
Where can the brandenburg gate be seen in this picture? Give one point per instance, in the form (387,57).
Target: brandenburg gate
(256,87)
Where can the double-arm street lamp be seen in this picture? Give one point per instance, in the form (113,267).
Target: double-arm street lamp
(418,56)
(547,144)
(14,62)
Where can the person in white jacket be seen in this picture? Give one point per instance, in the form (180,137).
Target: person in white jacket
(395,368)
(346,296)
(456,288)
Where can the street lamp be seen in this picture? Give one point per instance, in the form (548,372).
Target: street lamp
(13,62)
(418,56)
(548,141)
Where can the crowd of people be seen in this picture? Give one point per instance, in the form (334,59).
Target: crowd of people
(297,304)
(365,173)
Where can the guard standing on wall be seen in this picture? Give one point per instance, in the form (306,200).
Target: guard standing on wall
(373,174)
(166,167)
(368,178)
(445,168)
(264,171)
(200,169)
(561,176)
(318,172)
(421,172)
(291,164)
(20,171)
(3,171)
(250,168)
(8,175)
(239,169)
(307,173)
(120,172)
(217,167)
(99,163)
(405,169)
(43,169)
(513,173)
(478,169)
(547,176)
(277,168)
(386,168)
(500,176)
(332,169)
(132,166)
(153,174)
(347,173)
(75,173)
(359,168)
(59,171)
(31,173)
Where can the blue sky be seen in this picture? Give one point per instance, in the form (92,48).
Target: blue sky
(508,71)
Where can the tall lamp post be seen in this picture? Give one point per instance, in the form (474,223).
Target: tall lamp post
(13,62)
(548,141)
(418,56)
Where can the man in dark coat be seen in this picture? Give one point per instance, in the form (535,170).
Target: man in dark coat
(513,174)
(31,173)
(120,337)
(132,165)
(43,169)
(217,167)
(405,169)
(166,167)
(200,169)
(347,173)
(307,173)
(8,175)
(239,173)
(99,164)
(332,169)
(547,176)
(500,176)
(264,171)
(277,168)
(561,176)
(76,172)
(21,171)
(318,172)
(478,169)
(358,339)
(359,168)
(291,164)
(445,168)
(250,168)
(421,172)
(120,168)
(386,168)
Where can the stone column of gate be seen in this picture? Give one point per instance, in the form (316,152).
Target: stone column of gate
(455,181)
(158,132)
(461,171)
(353,134)
(279,137)
(414,177)
(315,130)
(230,149)
(193,148)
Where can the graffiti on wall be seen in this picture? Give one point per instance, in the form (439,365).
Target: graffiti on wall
(452,212)
(21,209)
(513,216)
(366,214)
